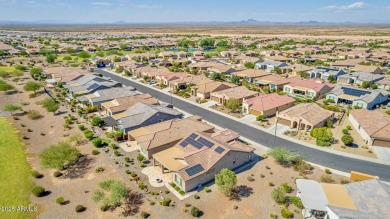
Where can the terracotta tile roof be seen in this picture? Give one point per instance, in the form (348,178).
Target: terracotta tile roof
(375,123)
(309,112)
(252,73)
(268,101)
(123,103)
(169,131)
(235,92)
(310,84)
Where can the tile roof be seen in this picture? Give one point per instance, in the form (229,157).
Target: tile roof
(309,112)
(235,92)
(268,101)
(375,123)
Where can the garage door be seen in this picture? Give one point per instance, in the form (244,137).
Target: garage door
(381,143)
(284,122)
(214,98)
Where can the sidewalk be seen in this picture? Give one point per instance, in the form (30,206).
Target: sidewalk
(270,130)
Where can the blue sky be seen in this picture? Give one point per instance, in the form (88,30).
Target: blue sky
(198,10)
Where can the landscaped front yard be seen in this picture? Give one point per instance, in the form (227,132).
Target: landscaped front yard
(15,177)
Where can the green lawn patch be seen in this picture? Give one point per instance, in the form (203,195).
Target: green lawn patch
(7,68)
(15,173)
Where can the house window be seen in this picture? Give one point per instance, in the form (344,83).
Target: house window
(331,97)
(178,180)
(311,94)
(143,150)
(359,104)
(287,89)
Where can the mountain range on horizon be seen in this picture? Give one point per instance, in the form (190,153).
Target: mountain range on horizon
(242,22)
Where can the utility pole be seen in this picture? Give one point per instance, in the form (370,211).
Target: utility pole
(276,127)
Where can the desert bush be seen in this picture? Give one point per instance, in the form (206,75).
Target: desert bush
(95,152)
(286,188)
(347,140)
(286,213)
(38,191)
(327,171)
(57,174)
(279,195)
(344,181)
(34,115)
(296,201)
(326,179)
(165,202)
(60,200)
(195,212)
(80,208)
(250,178)
(99,169)
(345,131)
(97,142)
(144,214)
(207,189)
(196,197)
(36,174)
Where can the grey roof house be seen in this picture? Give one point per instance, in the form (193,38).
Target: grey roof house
(359,78)
(269,65)
(352,96)
(90,83)
(324,72)
(101,96)
(142,114)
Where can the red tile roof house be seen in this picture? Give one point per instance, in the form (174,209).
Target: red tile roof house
(308,88)
(267,104)
(240,93)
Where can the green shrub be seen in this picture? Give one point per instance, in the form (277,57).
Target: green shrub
(327,171)
(57,174)
(296,201)
(286,213)
(273,215)
(182,192)
(322,143)
(141,186)
(36,174)
(88,134)
(79,208)
(364,147)
(81,127)
(196,197)
(38,191)
(96,121)
(344,181)
(165,202)
(195,212)
(207,189)
(286,188)
(349,127)
(144,214)
(97,142)
(345,131)
(151,202)
(60,200)
(278,195)
(271,184)
(95,152)
(326,179)
(347,140)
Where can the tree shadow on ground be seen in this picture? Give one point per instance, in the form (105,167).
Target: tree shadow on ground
(78,169)
(241,191)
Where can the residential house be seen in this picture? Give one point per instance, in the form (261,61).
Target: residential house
(305,116)
(310,88)
(98,97)
(324,72)
(353,96)
(195,160)
(372,125)
(161,136)
(204,90)
(359,78)
(250,74)
(296,68)
(274,82)
(367,199)
(165,79)
(267,104)
(121,104)
(367,68)
(142,114)
(270,65)
(221,69)
(240,93)
(384,83)
(182,83)
(90,83)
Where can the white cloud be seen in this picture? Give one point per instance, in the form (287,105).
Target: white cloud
(355,5)
(101,3)
(147,6)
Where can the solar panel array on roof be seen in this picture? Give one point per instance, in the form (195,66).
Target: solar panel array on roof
(206,142)
(194,170)
(219,150)
(194,143)
(355,92)
(183,143)
(193,135)
(93,86)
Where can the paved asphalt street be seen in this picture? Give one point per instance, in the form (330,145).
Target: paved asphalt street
(329,160)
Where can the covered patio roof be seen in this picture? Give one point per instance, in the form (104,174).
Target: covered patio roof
(168,158)
(312,195)
(109,121)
